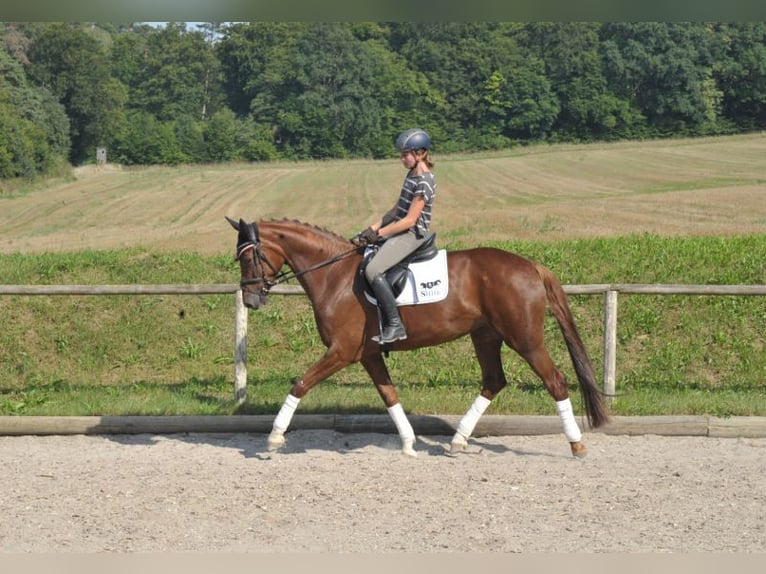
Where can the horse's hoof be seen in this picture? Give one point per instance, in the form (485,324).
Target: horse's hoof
(275,441)
(579,450)
(408,449)
(459,444)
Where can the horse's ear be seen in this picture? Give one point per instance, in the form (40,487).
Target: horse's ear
(250,229)
(233,223)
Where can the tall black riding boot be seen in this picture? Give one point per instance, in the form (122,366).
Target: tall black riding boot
(393,329)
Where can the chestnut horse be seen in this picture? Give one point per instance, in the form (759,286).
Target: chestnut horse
(494,296)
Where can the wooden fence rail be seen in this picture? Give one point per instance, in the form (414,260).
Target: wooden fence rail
(609,290)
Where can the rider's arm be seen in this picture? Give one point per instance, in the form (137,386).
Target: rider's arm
(387,218)
(408,221)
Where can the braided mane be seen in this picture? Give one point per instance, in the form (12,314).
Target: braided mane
(310,226)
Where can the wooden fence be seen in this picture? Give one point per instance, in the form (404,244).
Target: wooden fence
(609,291)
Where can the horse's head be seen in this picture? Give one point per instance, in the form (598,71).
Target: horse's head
(257,272)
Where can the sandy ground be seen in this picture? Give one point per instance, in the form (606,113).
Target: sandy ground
(355,493)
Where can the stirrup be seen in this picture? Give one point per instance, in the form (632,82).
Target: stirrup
(396,335)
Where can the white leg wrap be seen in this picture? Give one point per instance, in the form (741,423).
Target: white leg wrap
(472,416)
(402,424)
(571,430)
(285,415)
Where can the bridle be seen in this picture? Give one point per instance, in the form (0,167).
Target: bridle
(260,259)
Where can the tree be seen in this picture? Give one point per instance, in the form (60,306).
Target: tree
(573,67)
(523,103)
(190,136)
(256,141)
(72,64)
(321,90)
(220,136)
(22,147)
(268,90)
(170,72)
(457,59)
(663,70)
(34,129)
(741,73)
(250,57)
(147,141)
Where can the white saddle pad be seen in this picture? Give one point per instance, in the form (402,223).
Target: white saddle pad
(427,282)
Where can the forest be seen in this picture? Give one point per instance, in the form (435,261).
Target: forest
(261,91)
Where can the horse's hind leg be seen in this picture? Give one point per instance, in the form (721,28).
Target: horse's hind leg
(487,344)
(376,368)
(556,384)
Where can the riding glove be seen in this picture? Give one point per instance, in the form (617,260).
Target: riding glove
(366,237)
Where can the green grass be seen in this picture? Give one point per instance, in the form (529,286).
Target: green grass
(173,355)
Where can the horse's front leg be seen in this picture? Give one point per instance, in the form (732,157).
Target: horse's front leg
(376,368)
(331,362)
(487,344)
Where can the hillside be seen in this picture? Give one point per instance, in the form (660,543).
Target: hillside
(706,186)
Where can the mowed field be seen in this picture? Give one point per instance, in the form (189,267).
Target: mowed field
(705,186)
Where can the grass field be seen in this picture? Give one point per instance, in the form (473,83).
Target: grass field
(676,211)
(707,186)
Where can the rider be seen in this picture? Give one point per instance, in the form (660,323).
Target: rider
(402,229)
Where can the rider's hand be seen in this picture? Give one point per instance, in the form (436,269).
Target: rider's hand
(366,237)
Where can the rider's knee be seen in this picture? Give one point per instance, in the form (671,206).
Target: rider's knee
(371,274)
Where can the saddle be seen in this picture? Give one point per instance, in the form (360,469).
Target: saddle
(421,277)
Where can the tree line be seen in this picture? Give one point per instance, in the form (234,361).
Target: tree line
(263,91)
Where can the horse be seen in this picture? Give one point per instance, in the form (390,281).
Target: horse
(495,296)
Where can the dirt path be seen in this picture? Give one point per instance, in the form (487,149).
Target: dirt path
(331,492)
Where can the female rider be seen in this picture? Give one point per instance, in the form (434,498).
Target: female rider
(402,229)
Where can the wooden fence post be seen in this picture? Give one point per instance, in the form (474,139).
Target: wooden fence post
(240,348)
(610,342)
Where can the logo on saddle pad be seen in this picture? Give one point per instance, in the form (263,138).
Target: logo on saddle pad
(422,282)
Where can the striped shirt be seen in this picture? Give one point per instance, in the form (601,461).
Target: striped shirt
(417,185)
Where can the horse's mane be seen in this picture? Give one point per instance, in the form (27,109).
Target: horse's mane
(311,226)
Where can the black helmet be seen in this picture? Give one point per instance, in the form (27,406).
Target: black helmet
(414,138)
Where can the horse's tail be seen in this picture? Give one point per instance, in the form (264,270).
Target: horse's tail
(591,394)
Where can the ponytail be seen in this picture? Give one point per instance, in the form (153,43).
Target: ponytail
(426,158)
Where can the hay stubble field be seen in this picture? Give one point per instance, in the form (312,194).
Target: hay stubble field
(706,186)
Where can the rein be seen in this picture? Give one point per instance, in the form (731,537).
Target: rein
(282,276)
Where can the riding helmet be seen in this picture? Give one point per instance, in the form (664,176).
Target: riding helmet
(414,138)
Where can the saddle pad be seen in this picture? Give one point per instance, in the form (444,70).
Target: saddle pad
(427,282)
